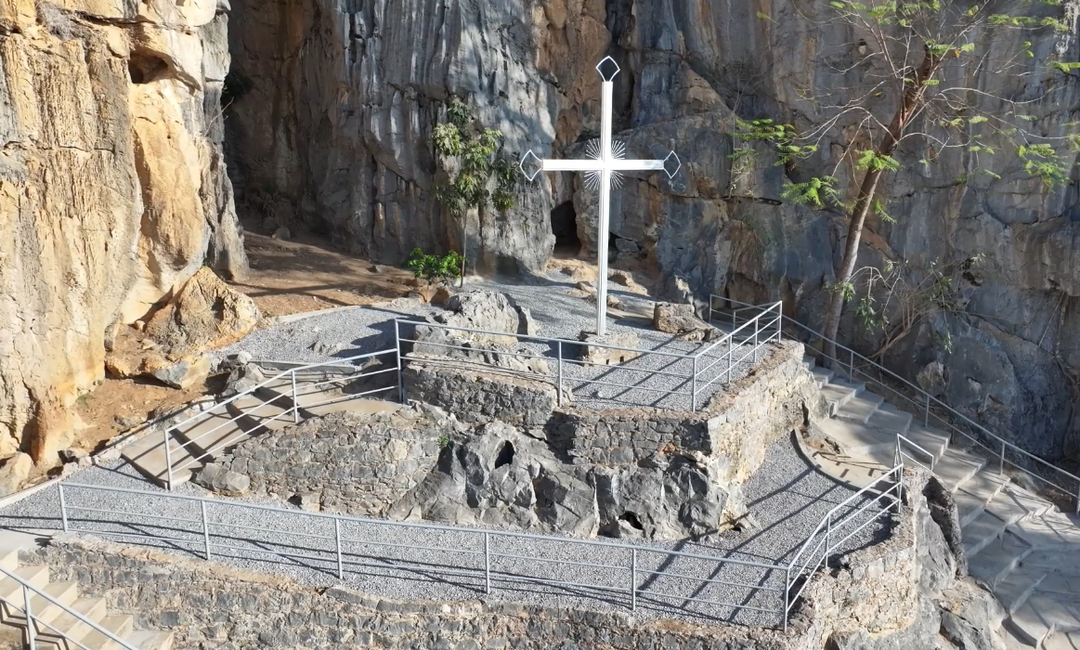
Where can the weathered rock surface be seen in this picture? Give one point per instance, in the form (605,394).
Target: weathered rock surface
(480,310)
(611,348)
(205,314)
(14,473)
(113,187)
(328,88)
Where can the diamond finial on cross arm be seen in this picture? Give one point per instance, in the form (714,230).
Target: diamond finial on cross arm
(608,68)
(531,165)
(672,164)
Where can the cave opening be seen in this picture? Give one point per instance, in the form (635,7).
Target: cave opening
(144,67)
(506,454)
(631,519)
(564,227)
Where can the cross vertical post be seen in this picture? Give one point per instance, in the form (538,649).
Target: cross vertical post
(603,169)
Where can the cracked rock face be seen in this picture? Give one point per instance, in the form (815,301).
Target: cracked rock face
(338,102)
(113,188)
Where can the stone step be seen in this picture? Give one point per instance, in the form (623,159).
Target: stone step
(151,640)
(856,439)
(11,590)
(957,466)
(1033,503)
(1062,641)
(838,392)
(860,407)
(822,376)
(981,532)
(69,626)
(932,440)
(1065,588)
(809,362)
(994,562)
(1029,624)
(1043,613)
(120,626)
(889,418)
(975,494)
(1054,561)
(1013,590)
(148,454)
(1050,530)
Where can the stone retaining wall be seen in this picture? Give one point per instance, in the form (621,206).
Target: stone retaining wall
(480,397)
(345,462)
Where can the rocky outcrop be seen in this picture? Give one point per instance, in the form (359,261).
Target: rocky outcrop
(322,88)
(113,188)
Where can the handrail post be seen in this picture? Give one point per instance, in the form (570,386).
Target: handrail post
(851,364)
(337,542)
(558,388)
(1001,461)
(787,595)
(31,633)
(487,563)
(828,536)
(63,507)
(729,353)
(900,490)
(168,459)
(757,325)
(693,387)
(397,348)
(295,398)
(926,412)
(206,529)
(1077,512)
(633,580)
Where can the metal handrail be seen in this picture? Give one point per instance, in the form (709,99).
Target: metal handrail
(32,632)
(204,536)
(826,543)
(294,410)
(694,376)
(899,456)
(929,400)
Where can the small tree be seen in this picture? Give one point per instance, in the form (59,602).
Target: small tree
(915,59)
(476,173)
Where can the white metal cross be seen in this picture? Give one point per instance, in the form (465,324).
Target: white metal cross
(603,167)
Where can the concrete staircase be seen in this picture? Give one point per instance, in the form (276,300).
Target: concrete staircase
(1017,543)
(56,628)
(269,408)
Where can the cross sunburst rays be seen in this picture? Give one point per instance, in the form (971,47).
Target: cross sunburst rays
(592,150)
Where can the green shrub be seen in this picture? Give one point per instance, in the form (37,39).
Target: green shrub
(435,268)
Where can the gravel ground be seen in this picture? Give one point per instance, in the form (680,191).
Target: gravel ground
(786,496)
(657,380)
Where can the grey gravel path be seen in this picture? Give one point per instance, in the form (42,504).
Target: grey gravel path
(650,380)
(786,496)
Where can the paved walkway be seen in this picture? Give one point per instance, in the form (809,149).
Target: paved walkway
(1017,542)
(787,497)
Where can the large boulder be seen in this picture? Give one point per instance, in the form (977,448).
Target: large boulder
(481,310)
(205,314)
(14,472)
(681,319)
(594,348)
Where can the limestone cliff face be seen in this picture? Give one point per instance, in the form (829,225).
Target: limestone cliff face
(112,188)
(334,102)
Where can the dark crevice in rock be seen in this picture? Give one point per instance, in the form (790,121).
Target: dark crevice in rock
(506,455)
(565,228)
(144,67)
(631,519)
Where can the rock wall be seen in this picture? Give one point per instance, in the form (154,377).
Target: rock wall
(113,188)
(880,597)
(335,103)
(530,465)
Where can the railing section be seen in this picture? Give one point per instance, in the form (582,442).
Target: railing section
(289,402)
(917,401)
(483,560)
(663,373)
(38,629)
